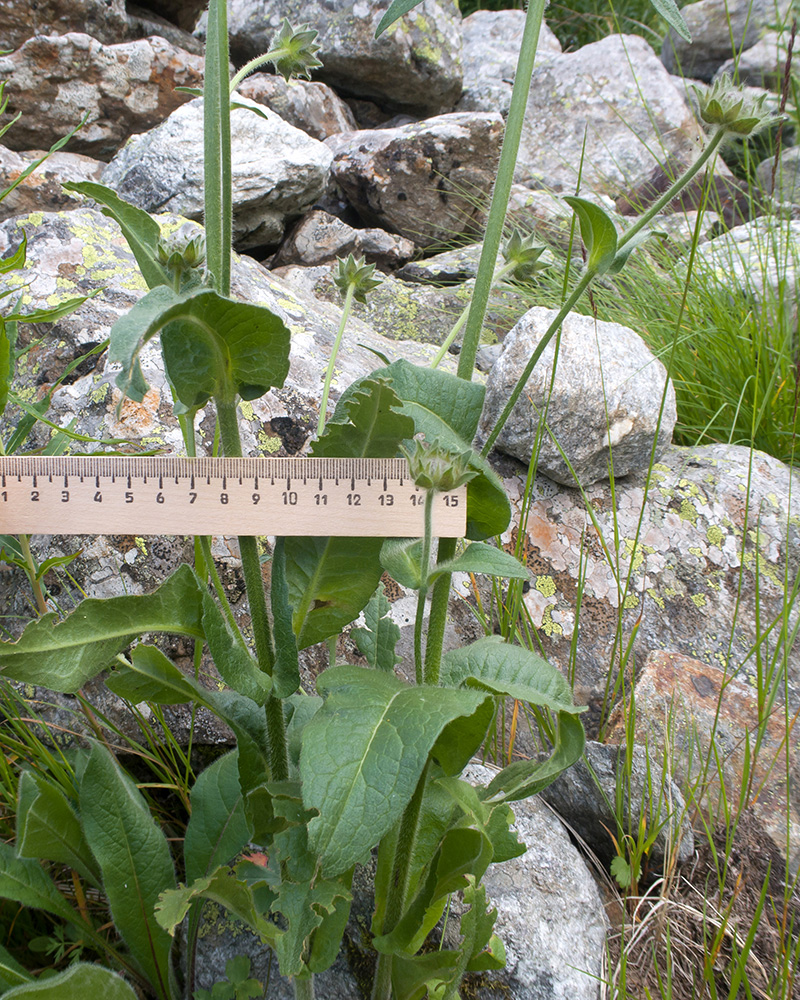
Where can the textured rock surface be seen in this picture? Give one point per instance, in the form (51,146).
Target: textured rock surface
(278,171)
(787,176)
(184,13)
(447,268)
(416,63)
(320,237)
(492,40)
(41,191)
(585,798)
(605,403)
(125,88)
(420,180)
(719,29)
(686,576)
(762,65)
(143,23)
(102,19)
(618,93)
(312,107)
(685,705)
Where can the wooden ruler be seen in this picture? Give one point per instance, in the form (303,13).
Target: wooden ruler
(85,495)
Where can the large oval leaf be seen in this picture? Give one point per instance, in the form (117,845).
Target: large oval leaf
(218,827)
(83,981)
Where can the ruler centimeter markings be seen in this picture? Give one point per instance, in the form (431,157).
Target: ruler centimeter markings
(165,495)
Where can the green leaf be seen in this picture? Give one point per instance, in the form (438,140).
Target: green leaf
(402,560)
(330,581)
(6,366)
(524,778)
(286,671)
(509,670)
(231,657)
(598,232)
(487,559)
(410,976)
(140,229)
(395,11)
(17,259)
(50,315)
(218,827)
(26,882)
(477,924)
(621,870)
(621,259)
(363,753)
(221,887)
(303,708)
(366,425)
(134,858)
(493,818)
(668,9)
(48,828)
(54,561)
(151,676)
(63,656)
(89,982)
(212,346)
(460,740)
(11,972)
(378,640)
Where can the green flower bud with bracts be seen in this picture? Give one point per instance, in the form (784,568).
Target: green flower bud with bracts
(293,51)
(726,106)
(434,466)
(353,272)
(183,260)
(524,253)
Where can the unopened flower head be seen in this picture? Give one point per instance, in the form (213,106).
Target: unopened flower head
(352,271)
(524,253)
(729,107)
(295,51)
(434,466)
(182,258)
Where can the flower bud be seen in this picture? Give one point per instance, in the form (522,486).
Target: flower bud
(524,254)
(294,50)
(727,106)
(353,272)
(434,466)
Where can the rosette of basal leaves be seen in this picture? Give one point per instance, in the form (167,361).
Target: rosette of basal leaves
(728,107)
(353,272)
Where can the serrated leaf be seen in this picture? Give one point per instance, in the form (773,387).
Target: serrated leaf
(218,827)
(232,659)
(378,640)
(286,672)
(221,887)
(668,9)
(363,753)
(411,975)
(134,858)
(212,346)
(486,559)
(598,232)
(64,655)
(621,870)
(367,425)
(140,229)
(89,982)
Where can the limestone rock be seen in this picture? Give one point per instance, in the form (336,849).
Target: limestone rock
(320,237)
(719,29)
(618,93)
(701,704)
(415,64)
(143,23)
(786,189)
(278,171)
(312,107)
(762,65)
(55,80)
(448,268)
(492,40)
(717,526)
(102,19)
(41,191)
(420,179)
(605,403)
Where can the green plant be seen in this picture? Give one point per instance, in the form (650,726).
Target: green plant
(369,763)
(238,986)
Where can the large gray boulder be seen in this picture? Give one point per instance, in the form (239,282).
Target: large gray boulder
(415,64)
(720,29)
(312,107)
(617,97)
(41,190)
(278,171)
(320,237)
(492,40)
(421,179)
(762,65)
(603,405)
(55,80)
(102,19)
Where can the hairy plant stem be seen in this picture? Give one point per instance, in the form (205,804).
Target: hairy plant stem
(304,988)
(30,562)
(217,149)
(422,593)
(256,599)
(399,883)
(497,277)
(502,188)
(437,616)
(323,406)
(272,56)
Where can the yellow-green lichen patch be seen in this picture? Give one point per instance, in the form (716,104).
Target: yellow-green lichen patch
(699,600)
(550,627)
(546,585)
(268,444)
(99,393)
(631,601)
(696,551)
(714,535)
(688,512)
(246,409)
(653,595)
(141,545)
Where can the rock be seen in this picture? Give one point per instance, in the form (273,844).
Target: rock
(401,310)
(415,64)
(143,23)
(312,107)
(605,405)
(41,191)
(630,117)
(102,19)
(491,44)
(720,29)
(686,706)
(542,214)
(278,170)
(585,798)
(786,189)
(184,13)
(54,81)
(762,65)
(448,268)
(320,237)
(420,180)
(715,527)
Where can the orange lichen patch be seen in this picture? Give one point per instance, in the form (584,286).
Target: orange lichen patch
(132,419)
